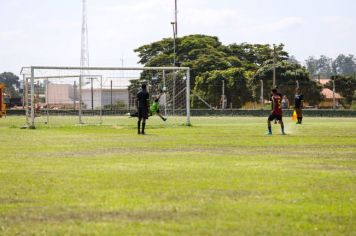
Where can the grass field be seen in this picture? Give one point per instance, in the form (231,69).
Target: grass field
(222,176)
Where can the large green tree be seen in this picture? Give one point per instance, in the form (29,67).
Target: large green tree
(211,62)
(199,52)
(209,86)
(319,66)
(344,65)
(12,83)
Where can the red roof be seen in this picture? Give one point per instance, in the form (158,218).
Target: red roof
(324,81)
(328,94)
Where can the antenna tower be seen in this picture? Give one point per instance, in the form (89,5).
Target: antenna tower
(84,55)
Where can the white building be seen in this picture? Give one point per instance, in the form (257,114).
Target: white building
(63,95)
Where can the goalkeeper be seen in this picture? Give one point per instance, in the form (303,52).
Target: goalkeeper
(154,108)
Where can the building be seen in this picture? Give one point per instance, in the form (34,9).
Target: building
(62,96)
(328,99)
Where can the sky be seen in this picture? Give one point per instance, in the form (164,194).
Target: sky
(48,32)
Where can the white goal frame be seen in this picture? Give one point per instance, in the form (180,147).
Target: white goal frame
(31,76)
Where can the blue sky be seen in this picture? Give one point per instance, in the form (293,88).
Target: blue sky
(47,32)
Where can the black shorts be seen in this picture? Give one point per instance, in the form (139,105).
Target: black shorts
(143,113)
(298,110)
(274,117)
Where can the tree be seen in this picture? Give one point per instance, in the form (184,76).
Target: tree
(345,85)
(254,55)
(199,52)
(209,86)
(210,61)
(12,83)
(320,66)
(286,76)
(344,65)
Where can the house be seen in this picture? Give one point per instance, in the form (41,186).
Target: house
(328,99)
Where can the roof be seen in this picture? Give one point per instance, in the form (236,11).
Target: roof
(328,94)
(324,81)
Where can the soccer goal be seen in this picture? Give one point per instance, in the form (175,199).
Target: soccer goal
(97,95)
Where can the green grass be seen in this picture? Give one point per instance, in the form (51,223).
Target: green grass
(221,176)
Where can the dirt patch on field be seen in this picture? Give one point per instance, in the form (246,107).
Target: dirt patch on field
(7,201)
(96,216)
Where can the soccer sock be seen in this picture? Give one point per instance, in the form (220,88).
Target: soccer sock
(143,126)
(282,127)
(269,129)
(301,118)
(138,125)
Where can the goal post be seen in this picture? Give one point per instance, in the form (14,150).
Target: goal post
(92,94)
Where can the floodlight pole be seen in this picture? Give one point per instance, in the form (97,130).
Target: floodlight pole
(174,64)
(174,42)
(175,16)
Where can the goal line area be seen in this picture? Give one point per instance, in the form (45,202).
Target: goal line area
(96,95)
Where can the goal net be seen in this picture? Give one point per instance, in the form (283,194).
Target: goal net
(98,95)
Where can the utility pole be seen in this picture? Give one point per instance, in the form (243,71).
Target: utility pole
(175,32)
(223,99)
(274,65)
(175,17)
(334,101)
(262,100)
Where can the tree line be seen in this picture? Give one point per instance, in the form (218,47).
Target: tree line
(241,68)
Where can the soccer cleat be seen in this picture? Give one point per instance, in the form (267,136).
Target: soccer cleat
(269,133)
(164,119)
(283,133)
